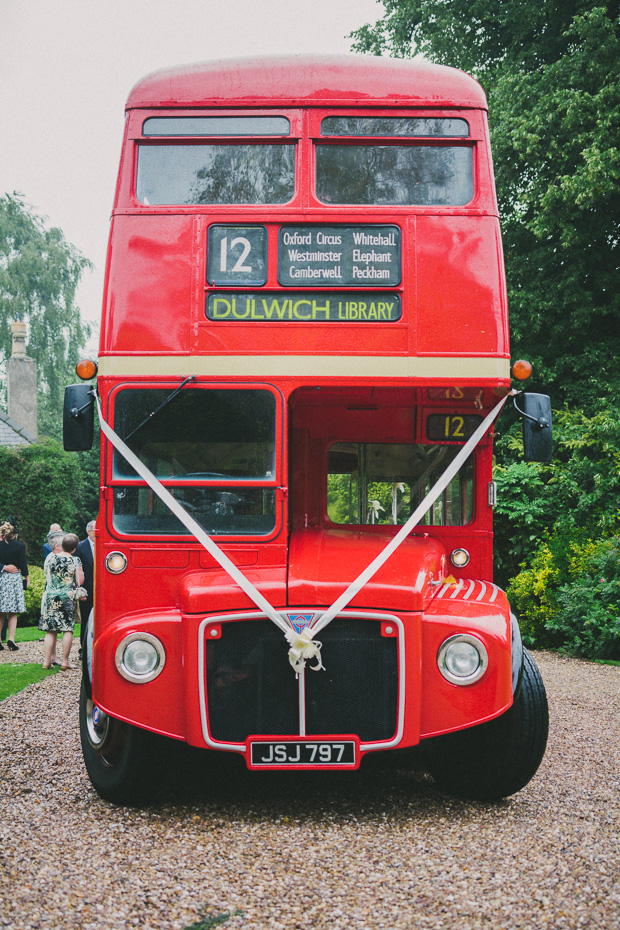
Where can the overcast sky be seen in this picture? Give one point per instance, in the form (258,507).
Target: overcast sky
(67,66)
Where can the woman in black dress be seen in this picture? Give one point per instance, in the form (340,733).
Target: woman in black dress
(14,579)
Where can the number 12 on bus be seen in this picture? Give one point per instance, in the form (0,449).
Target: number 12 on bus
(304,350)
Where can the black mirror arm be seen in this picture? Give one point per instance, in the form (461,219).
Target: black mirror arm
(76,411)
(541,422)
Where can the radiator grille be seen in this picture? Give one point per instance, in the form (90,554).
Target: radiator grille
(252,689)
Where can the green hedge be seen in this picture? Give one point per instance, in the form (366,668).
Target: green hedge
(33,597)
(557,532)
(570,598)
(42,484)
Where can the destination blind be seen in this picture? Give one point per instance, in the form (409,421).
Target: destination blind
(303,307)
(339,256)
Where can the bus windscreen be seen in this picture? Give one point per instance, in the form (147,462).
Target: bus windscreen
(219,511)
(201,435)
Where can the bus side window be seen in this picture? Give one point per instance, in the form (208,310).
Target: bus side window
(383,483)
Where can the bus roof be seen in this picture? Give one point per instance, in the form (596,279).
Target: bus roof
(305,80)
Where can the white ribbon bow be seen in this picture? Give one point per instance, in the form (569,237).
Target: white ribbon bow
(303,647)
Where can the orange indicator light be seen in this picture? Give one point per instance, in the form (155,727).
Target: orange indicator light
(86,369)
(521,370)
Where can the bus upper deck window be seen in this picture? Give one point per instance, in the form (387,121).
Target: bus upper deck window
(225,173)
(421,175)
(413,126)
(216,126)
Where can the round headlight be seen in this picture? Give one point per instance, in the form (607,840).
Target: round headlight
(459,558)
(462,659)
(116,562)
(140,657)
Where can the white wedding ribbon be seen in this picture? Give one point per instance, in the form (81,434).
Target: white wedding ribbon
(303,648)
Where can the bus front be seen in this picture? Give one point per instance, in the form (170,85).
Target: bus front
(304,348)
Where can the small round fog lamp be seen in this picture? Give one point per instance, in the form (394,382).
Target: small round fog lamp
(462,659)
(140,657)
(459,558)
(116,562)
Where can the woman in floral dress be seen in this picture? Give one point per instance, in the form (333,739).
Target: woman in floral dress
(63,575)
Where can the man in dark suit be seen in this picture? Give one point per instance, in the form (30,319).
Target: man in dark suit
(86,553)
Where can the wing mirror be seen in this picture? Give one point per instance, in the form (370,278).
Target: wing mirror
(535,411)
(78,417)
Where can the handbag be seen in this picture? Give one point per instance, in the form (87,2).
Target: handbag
(78,593)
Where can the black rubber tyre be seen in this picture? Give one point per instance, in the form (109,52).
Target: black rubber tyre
(120,759)
(496,759)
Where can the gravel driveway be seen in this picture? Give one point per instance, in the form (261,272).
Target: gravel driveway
(380,848)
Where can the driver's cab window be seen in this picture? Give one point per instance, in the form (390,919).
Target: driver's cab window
(214,448)
(198,434)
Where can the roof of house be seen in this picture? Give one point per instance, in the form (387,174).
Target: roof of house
(12,433)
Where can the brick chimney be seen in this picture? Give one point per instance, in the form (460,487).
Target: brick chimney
(22,381)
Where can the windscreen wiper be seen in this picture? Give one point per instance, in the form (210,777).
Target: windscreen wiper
(163,404)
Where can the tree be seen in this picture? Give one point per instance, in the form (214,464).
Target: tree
(551,76)
(550,70)
(42,484)
(573,499)
(39,274)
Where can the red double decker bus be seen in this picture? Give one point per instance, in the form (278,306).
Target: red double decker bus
(304,346)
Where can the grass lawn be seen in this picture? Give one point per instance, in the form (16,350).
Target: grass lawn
(15,677)
(31,634)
